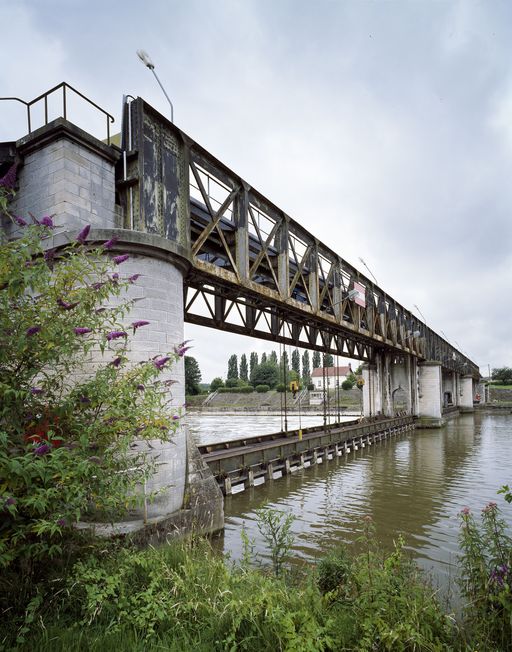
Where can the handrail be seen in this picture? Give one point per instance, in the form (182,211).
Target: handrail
(44,96)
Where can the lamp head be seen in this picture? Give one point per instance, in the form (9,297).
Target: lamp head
(144,57)
(352,294)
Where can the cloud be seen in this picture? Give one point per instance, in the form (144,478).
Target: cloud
(385,133)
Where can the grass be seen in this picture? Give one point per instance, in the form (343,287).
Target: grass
(184,597)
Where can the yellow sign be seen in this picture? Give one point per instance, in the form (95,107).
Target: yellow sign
(294,386)
(360,382)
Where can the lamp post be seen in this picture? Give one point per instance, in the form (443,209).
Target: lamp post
(371,273)
(144,57)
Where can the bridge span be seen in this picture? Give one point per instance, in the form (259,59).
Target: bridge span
(209,249)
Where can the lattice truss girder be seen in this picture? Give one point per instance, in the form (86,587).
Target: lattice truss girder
(221,308)
(236,233)
(234,237)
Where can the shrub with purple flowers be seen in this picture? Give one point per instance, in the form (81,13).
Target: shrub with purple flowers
(66,430)
(486,580)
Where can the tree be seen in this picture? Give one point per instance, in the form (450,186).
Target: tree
(244,371)
(273,357)
(316,360)
(216,383)
(263,357)
(233,367)
(306,370)
(265,374)
(296,361)
(253,362)
(328,360)
(502,375)
(192,376)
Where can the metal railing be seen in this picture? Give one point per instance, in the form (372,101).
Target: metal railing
(44,98)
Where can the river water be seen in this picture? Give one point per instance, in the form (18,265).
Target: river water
(415,485)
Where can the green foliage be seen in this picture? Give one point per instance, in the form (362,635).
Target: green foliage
(273,358)
(306,368)
(65,428)
(192,376)
(275,526)
(232,382)
(216,384)
(232,367)
(281,387)
(296,362)
(261,389)
(183,597)
(265,374)
(328,360)
(244,369)
(502,375)
(486,580)
(380,602)
(180,597)
(253,362)
(244,389)
(333,571)
(316,359)
(348,384)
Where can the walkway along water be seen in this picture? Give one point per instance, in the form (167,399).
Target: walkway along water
(246,462)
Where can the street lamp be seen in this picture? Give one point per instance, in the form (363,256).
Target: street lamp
(368,270)
(144,57)
(424,319)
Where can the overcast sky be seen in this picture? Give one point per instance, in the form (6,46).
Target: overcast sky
(384,127)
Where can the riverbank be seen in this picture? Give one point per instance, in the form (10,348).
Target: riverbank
(186,598)
(272,401)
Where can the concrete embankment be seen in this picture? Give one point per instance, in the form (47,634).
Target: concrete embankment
(272,402)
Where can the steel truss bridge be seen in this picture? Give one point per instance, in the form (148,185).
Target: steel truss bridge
(250,268)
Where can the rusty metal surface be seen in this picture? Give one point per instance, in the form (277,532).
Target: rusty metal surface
(254,270)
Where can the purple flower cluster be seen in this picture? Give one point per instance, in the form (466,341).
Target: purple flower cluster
(114,335)
(9,178)
(33,330)
(181,349)
(81,238)
(138,324)
(36,390)
(109,244)
(19,220)
(41,450)
(120,259)
(82,330)
(133,278)
(47,221)
(49,255)
(160,363)
(67,306)
(500,575)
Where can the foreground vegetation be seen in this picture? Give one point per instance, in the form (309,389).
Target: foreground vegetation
(184,596)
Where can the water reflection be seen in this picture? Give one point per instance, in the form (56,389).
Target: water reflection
(415,485)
